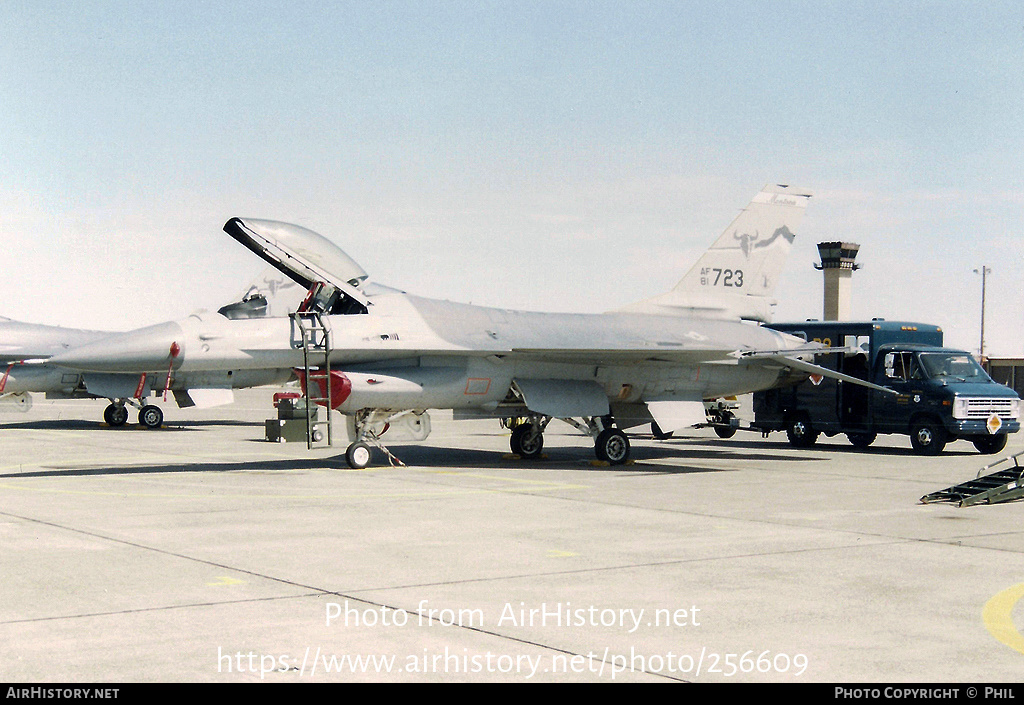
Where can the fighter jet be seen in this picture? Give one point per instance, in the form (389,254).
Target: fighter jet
(26,350)
(23,347)
(383,356)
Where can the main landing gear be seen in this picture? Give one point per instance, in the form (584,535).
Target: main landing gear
(116,414)
(610,444)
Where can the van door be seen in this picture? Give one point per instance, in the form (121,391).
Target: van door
(855,400)
(899,370)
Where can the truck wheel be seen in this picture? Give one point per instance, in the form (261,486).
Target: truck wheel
(800,433)
(928,437)
(989,444)
(861,440)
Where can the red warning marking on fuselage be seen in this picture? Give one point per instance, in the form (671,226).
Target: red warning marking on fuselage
(139,390)
(3,382)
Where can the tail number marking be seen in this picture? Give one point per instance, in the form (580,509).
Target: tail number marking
(721,277)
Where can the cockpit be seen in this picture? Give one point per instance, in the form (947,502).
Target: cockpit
(253,305)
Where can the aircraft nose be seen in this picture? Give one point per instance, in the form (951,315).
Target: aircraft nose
(143,350)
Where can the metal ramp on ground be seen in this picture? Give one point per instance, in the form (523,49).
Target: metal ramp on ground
(990,486)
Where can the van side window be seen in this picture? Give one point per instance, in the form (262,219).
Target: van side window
(902,367)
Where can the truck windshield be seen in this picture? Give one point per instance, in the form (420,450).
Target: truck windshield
(959,365)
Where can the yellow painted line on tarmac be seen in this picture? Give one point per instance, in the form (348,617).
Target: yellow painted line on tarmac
(998,617)
(225,580)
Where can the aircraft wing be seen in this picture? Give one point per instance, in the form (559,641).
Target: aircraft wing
(624,356)
(811,368)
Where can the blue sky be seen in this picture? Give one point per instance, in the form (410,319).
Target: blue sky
(548,155)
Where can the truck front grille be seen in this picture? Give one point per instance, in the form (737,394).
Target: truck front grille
(983,408)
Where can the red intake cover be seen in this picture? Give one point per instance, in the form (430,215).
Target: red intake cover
(341,387)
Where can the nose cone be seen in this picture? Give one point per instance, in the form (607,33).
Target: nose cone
(143,350)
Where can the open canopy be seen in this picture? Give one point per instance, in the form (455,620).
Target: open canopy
(300,254)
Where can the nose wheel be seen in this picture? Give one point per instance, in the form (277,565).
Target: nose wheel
(358,455)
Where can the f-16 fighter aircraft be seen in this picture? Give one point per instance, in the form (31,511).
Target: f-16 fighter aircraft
(386,356)
(25,366)
(24,342)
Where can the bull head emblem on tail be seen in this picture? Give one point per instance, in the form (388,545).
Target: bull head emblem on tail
(754,242)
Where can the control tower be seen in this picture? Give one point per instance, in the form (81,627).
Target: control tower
(837,267)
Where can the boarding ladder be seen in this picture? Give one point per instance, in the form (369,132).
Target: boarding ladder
(316,362)
(1003,485)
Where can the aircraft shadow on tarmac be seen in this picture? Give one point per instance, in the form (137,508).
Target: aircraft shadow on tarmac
(85,425)
(645,461)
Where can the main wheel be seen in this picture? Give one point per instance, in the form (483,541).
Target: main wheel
(800,432)
(989,444)
(724,428)
(612,446)
(358,455)
(527,442)
(115,415)
(151,416)
(928,437)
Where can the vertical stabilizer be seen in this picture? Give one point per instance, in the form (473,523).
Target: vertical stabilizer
(737,275)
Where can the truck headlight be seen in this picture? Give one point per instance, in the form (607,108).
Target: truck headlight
(959,408)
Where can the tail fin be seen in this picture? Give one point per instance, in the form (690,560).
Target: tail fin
(736,277)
